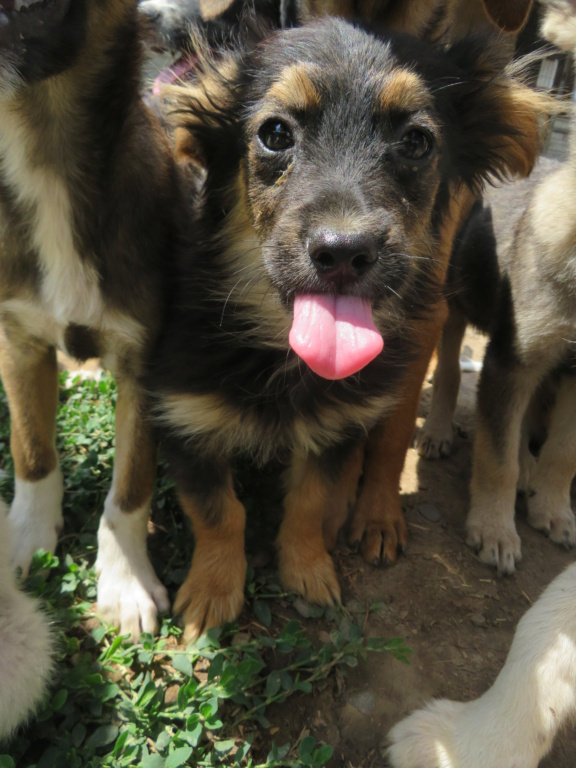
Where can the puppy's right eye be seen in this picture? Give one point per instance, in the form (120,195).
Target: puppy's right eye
(276,136)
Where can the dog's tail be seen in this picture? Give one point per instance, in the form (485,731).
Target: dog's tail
(559,23)
(26,646)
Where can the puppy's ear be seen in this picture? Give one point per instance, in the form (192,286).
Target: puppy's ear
(204,113)
(499,119)
(508,15)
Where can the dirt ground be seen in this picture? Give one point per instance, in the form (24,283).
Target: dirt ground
(454,612)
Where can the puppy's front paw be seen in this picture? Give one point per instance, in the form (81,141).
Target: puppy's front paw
(435,441)
(131,601)
(425,739)
(552,514)
(130,595)
(213,592)
(378,528)
(312,575)
(489,732)
(496,543)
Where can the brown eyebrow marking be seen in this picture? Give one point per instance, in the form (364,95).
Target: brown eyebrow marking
(294,88)
(403,91)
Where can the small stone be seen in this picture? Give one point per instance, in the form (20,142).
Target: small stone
(478,620)
(241,638)
(430,512)
(308,610)
(363,701)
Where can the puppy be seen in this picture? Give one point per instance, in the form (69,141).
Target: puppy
(442,21)
(303,319)
(472,285)
(532,337)
(26,645)
(89,195)
(515,722)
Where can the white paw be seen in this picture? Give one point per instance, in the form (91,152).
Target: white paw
(425,739)
(35,518)
(496,543)
(130,595)
(551,513)
(483,733)
(435,441)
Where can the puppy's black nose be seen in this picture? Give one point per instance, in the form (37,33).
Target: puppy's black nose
(342,256)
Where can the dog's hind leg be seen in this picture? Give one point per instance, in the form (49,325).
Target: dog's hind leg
(435,440)
(317,488)
(129,592)
(549,507)
(30,377)
(515,722)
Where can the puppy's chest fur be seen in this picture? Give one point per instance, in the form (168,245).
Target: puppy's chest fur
(47,285)
(266,424)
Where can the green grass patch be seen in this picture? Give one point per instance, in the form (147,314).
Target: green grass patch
(158,704)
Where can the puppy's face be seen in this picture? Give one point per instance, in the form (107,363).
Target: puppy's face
(343,148)
(342,163)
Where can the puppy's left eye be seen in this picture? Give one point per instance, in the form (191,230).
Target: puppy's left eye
(415,144)
(276,136)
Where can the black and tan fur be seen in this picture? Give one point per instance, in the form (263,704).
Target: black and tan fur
(357,105)
(88,212)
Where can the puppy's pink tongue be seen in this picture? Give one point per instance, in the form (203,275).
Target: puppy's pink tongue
(334,335)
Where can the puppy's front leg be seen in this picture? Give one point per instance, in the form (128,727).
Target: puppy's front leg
(129,592)
(504,392)
(549,507)
(378,524)
(514,723)
(213,592)
(319,493)
(30,377)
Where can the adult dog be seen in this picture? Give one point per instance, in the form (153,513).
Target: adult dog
(334,160)
(88,211)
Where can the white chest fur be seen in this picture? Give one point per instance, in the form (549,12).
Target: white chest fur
(70,291)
